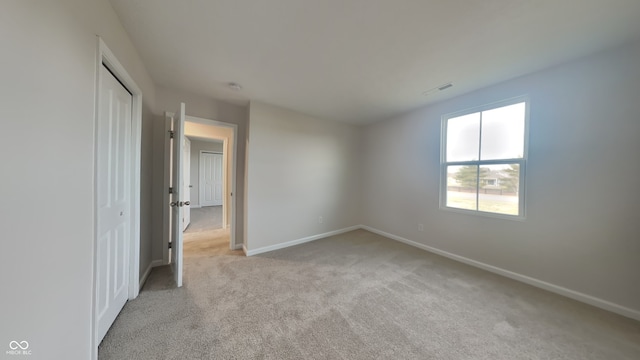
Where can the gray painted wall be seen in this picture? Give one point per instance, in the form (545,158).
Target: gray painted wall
(146,196)
(47,97)
(196,147)
(300,168)
(581,227)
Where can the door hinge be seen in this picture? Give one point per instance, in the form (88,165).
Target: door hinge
(171,134)
(169,245)
(170,190)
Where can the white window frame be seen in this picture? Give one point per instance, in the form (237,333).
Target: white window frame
(522,162)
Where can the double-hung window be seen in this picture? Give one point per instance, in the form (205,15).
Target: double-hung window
(483,159)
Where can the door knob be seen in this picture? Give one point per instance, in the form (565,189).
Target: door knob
(173,204)
(187,203)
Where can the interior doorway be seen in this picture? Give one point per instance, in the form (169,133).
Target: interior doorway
(207,179)
(219,138)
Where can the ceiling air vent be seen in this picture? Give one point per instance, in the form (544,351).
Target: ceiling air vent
(438,88)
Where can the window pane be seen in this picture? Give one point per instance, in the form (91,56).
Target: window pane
(463,137)
(461,187)
(503,133)
(498,190)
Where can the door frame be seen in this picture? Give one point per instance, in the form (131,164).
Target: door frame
(106,56)
(226,150)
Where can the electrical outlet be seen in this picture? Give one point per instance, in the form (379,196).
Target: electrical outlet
(420,227)
(320,220)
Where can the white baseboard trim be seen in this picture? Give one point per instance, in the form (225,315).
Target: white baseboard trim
(144,276)
(575,295)
(239,247)
(244,248)
(298,241)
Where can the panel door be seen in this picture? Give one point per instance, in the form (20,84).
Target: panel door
(178,203)
(211,174)
(113,199)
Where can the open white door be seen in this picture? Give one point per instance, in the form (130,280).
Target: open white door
(177,201)
(186,184)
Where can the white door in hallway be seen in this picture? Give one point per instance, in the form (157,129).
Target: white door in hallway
(178,201)
(211,175)
(112,199)
(186,186)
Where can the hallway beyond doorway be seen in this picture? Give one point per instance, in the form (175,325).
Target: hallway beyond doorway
(204,219)
(205,235)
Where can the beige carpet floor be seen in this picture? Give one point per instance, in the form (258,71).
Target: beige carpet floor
(355,296)
(205,218)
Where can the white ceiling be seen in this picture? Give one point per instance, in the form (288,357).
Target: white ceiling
(363,60)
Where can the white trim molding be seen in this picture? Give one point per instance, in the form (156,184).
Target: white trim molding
(298,241)
(575,295)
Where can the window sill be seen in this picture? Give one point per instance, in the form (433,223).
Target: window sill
(483,214)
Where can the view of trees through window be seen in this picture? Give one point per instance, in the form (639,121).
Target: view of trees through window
(497,187)
(484,159)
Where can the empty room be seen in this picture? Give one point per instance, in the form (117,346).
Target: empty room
(302,179)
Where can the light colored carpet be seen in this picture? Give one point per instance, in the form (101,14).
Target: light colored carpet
(355,296)
(207,243)
(205,218)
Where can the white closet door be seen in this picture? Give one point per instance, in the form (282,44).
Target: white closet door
(211,175)
(113,199)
